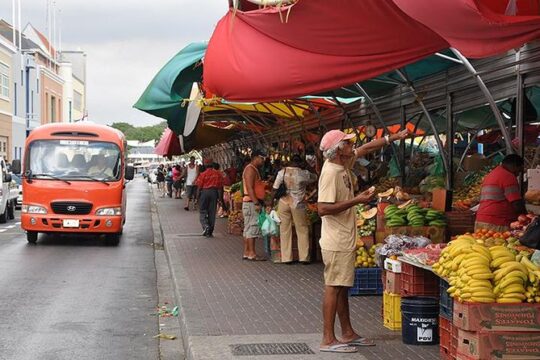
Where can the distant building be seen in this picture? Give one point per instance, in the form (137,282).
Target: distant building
(73,71)
(142,152)
(7,97)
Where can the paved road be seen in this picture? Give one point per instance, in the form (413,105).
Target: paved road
(74,298)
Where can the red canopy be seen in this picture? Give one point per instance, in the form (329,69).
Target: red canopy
(254,56)
(169,144)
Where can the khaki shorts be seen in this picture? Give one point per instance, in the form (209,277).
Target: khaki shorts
(338,268)
(251,221)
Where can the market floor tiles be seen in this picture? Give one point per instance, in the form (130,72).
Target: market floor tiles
(225,300)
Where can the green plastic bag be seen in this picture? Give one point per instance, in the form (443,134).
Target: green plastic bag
(262,218)
(393,168)
(438,167)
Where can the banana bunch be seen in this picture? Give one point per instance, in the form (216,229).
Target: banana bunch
(533,289)
(472,280)
(452,255)
(511,276)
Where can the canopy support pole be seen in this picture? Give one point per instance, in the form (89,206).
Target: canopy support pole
(378,115)
(428,117)
(449,151)
(489,98)
(466,150)
(403,121)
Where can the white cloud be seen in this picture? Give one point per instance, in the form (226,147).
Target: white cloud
(126,41)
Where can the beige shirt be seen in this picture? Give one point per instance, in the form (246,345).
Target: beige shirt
(296,180)
(338,232)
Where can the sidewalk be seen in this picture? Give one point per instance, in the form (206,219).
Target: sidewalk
(225,301)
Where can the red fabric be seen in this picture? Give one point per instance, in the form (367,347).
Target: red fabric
(169,144)
(176,174)
(210,178)
(254,56)
(472,26)
(499,212)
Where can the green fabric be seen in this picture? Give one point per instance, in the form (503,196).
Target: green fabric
(172,84)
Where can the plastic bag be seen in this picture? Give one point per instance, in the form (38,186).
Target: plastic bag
(262,218)
(393,168)
(438,167)
(269,227)
(535,258)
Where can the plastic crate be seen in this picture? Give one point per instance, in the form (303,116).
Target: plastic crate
(448,338)
(446,302)
(367,281)
(416,281)
(392,311)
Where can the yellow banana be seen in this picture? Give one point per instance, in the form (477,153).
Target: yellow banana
(497,247)
(537,299)
(476,289)
(478,270)
(466,295)
(481,283)
(517,273)
(509,281)
(529,264)
(513,296)
(482,299)
(514,265)
(509,300)
(486,294)
(498,261)
(481,250)
(513,288)
(483,276)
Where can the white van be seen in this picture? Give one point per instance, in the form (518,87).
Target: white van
(8,193)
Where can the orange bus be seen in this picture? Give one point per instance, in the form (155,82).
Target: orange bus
(74,179)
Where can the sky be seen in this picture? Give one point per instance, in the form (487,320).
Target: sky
(126,42)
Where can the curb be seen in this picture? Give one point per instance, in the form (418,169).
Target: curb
(159,243)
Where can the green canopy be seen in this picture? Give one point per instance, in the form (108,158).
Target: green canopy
(165,94)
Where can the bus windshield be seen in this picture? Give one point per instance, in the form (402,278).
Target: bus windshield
(74,160)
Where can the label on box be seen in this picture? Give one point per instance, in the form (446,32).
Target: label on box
(424,334)
(499,317)
(392,265)
(498,345)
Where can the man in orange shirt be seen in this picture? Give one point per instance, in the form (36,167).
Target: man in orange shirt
(500,197)
(210,183)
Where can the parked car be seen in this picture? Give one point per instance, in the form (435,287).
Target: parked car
(8,193)
(152,176)
(18,181)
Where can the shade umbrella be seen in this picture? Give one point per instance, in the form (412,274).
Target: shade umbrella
(164,97)
(169,144)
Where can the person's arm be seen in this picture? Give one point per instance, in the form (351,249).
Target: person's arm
(379,143)
(279,180)
(340,206)
(519,206)
(250,179)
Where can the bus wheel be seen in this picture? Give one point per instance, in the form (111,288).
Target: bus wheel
(31,236)
(112,239)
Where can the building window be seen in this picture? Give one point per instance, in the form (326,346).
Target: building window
(4,80)
(77,100)
(53,109)
(15,98)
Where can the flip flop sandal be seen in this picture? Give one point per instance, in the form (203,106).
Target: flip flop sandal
(361,341)
(256,258)
(339,348)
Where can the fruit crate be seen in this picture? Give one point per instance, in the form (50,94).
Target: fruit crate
(416,281)
(448,338)
(367,281)
(392,311)
(446,302)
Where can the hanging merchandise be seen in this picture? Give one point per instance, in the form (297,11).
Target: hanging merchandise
(393,168)
(437,168)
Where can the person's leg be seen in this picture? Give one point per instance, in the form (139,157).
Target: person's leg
(330,301)
(347,331)
(203,211)
(212,208)
(302,233)
(189,190)
(285,231)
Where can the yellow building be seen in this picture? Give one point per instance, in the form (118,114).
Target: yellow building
(7,50)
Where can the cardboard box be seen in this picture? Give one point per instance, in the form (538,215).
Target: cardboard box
(475,162)
(497,317)
(392,266)
(498,345)
(533,177)
(440,198)
(392,283)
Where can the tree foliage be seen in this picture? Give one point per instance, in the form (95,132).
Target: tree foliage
(142,133)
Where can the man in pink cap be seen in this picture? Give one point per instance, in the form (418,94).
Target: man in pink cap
(338,234)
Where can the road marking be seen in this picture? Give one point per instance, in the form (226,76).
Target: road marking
(10,227)
(18,223)
(2,230)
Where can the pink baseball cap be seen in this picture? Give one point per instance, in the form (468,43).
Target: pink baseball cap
(332,138)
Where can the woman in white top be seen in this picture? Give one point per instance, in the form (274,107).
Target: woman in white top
(192,172)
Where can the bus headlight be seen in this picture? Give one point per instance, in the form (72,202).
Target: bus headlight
(109,211)
(33,209)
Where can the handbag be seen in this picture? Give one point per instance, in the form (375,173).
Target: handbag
(531,237)
(282,189)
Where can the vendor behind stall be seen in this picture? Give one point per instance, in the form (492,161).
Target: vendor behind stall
(500,197)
